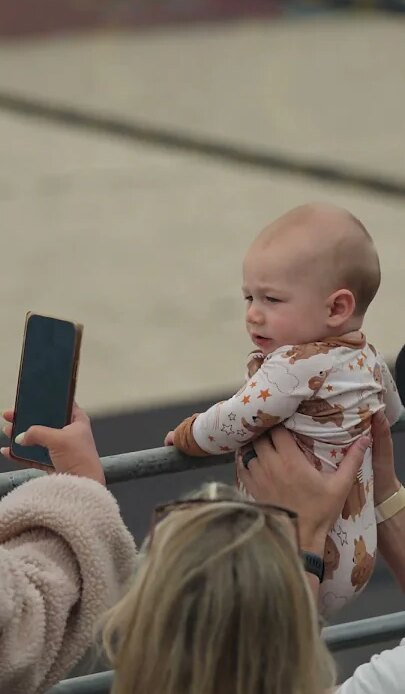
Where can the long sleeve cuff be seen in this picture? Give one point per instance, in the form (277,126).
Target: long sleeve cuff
(184,439)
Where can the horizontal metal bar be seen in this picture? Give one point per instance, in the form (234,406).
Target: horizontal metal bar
(128,466)
(149,463)
(364,632)
(99,683)
(339,637)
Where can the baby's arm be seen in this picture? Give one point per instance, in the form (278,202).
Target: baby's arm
(269,397)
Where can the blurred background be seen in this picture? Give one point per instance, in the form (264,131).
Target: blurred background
(144,143)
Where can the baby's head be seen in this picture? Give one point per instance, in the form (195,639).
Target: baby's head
(310,275)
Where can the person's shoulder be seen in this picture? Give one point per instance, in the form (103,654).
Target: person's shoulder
(384,673)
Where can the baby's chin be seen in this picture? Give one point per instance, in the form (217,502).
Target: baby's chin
(266,352)
(266,344)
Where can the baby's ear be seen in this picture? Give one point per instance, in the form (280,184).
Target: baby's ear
(341,307)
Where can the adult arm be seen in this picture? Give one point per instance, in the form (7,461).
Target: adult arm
(65,556)
(391,532)
(281,475)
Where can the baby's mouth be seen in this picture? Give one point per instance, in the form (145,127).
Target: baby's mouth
(260,338)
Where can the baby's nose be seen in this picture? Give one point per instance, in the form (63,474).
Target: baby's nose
(254,314)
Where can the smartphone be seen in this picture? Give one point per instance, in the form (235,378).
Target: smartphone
(46,381)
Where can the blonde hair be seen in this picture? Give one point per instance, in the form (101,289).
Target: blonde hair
(219,605)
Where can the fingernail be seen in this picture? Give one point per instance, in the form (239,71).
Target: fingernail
(4,429)
(3,451)
(20,438)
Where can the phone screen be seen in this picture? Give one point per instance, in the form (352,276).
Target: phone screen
(46,378)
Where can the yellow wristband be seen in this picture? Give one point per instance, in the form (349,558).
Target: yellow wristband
(390,506)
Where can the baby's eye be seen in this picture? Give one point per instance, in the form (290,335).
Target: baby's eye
(248,298)
(273,300)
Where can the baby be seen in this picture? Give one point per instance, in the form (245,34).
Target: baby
(308,280)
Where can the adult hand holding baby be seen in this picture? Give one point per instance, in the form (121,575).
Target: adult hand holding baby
(72,449)
(281,475)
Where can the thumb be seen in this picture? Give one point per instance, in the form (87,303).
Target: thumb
(38,436)
(352,461)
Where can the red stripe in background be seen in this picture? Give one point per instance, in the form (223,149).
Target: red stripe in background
(19,18)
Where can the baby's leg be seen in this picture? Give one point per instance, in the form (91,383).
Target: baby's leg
(350,548)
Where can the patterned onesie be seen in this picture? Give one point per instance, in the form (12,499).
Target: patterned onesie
(325,393)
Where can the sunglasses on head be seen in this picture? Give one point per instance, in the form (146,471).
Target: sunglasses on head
(270,511)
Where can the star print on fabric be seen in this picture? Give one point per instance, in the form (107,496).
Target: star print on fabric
(333,453)
(253,384)
(227,429)
(329,388)
(231,416)
(360,363)
(211,438)
(264,394)
(344,451)
(246,399)
(224,449)
(351,367)
(241,432)
(342,535)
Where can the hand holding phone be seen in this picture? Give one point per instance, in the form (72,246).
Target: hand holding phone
(46,382)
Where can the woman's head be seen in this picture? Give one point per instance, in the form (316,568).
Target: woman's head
(219,605)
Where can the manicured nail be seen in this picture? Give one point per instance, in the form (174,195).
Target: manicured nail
(20,438)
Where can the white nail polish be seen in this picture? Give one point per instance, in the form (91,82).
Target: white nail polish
(20,438)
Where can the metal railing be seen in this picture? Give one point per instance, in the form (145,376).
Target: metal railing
(128,466)
(148,463)
(339,638)
(160,461)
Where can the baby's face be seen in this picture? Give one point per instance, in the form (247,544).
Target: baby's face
(283,305)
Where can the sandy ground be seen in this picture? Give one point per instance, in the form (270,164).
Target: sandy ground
(144,245)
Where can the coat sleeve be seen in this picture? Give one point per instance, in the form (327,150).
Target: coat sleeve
(65,557)
(271,395)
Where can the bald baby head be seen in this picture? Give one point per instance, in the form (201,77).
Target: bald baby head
(329,246)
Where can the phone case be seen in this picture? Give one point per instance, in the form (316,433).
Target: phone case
(78,335)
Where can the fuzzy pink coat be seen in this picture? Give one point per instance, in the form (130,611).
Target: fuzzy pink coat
(65,556)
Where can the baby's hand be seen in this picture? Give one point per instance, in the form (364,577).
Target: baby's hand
(169,440)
